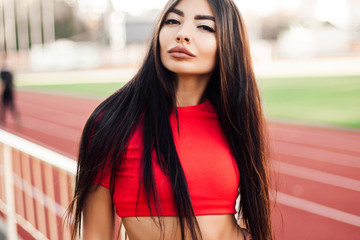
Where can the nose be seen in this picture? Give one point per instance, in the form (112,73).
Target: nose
(183,37)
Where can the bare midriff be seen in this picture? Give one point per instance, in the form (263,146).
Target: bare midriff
(212,227)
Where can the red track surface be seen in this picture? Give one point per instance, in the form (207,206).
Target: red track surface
(319,167)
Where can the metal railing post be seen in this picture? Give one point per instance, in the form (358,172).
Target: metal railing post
(9,194)
(37,209)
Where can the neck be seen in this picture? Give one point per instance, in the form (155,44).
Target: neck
(190,89)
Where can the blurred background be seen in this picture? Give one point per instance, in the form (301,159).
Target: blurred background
(289,38)
(44,35)
(68,55)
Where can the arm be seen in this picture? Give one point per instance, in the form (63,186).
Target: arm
(247,235)
(98,215)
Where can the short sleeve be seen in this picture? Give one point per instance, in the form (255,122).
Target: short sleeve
(103,178)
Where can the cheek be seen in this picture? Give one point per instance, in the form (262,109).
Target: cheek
(211,55)
(207,45)
(213,47)
(162,45)
(161,40)
(211,50)
(214,53)
(164,41)
(164,38)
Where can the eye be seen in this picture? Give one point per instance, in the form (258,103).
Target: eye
(171,22)
(207,28)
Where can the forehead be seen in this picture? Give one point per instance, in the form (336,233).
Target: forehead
(194,7)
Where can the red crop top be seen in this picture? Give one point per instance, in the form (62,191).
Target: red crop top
(210,169)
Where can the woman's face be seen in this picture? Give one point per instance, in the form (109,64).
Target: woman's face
(188,40)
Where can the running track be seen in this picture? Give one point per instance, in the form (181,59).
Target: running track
(316,170)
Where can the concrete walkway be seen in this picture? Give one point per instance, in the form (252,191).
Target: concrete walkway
(275,68)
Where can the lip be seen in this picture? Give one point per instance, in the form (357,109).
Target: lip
(180,52)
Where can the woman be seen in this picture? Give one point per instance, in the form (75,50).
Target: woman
(173,149)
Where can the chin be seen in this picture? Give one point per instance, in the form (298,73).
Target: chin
(186,70)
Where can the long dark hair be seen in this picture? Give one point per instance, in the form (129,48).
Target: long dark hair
(148,100)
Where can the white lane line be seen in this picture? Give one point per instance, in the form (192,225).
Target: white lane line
(331,137)
(316,154)
(318,209)
(317,176)
(75,77)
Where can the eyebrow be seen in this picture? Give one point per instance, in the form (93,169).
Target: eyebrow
(197,17)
